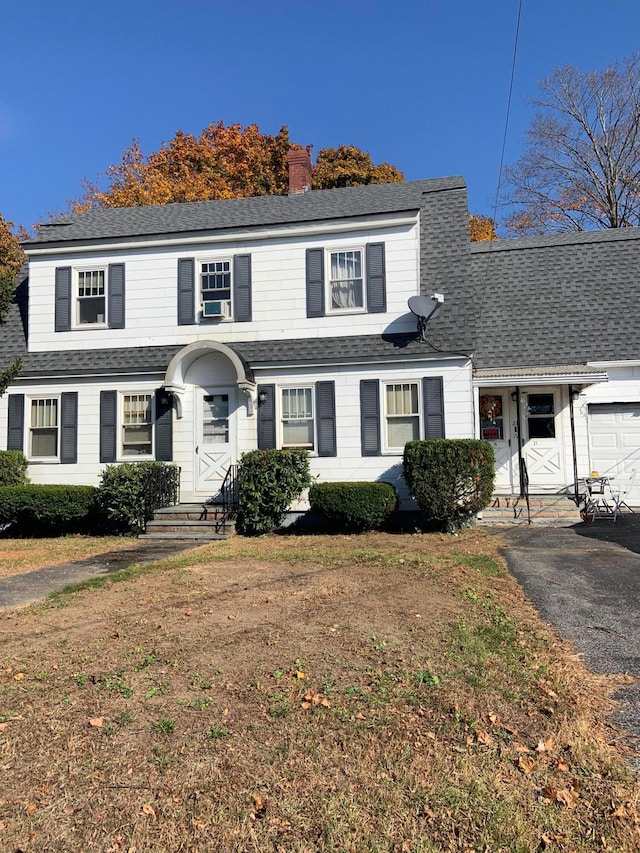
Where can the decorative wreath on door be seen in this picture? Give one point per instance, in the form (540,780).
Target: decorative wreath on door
(490,407)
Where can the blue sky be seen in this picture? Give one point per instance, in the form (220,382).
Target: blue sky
(421,84)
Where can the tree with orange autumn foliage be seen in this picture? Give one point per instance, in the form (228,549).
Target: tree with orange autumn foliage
(223,162)
(11,259)
(481,228)
(234,162)
(348,166)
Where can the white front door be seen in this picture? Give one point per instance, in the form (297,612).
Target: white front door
(542,446)
(215,439)
(496,427)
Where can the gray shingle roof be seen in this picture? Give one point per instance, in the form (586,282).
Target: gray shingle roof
(135,360)
(565,299)
(204,216)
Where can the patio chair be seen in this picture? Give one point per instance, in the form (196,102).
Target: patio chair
(619,496)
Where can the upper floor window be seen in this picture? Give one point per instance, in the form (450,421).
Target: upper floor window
(346,281)
(402,412)
(215,289)
(137,425)
(43,428)
(89,296)
(297,418)
(91,301)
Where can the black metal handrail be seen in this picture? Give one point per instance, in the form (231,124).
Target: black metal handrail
(524,486)
(229,491)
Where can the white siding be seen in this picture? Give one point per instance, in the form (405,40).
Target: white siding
(213,369)
(278,292)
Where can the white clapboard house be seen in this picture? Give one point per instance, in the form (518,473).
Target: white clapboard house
(195,332)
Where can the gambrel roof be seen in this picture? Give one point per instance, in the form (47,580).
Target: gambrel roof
(567,299)
(207,216)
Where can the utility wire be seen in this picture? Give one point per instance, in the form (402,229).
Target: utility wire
(506,123)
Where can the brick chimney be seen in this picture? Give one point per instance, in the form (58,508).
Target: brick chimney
(300,170)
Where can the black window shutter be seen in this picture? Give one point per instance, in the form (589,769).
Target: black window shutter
(370,417)
(15,431)
(376,278)
(326,418)
(69,427)
(108,425)
(433,395)
(267,417)
(63,299)
(242,288)
(116,296)
(315,282)
(186,291)
(163,426)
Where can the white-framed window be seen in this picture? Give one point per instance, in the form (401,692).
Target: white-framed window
(215,288)
(402,413)
(91,297)
(346,290)
(44,414)
(136,425)
(297,417)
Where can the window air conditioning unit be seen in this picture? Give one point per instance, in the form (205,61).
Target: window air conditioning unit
(216,308)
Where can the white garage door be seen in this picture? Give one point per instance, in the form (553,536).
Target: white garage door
(614,430)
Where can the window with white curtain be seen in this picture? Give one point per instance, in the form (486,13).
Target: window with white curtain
(43,428)
(297,417)
(346,281)
(402,413)
(137,427)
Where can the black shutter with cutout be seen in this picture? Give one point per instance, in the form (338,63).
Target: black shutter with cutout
(326,418)
(116,296)
(376,278)
(242,288)
(370,417)
(163,426)
(69,427)
(315,282)
(186,292)
(15,431)
(63,299)
(266,417)
(433,399)
(108,425)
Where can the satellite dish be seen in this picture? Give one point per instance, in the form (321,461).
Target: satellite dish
(425,308)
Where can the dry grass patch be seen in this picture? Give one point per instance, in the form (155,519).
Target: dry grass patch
(23,555)
(298,694)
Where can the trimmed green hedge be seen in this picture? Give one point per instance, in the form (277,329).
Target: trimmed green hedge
(268,482)
(36,510)
(13,467)
(130,492)
(451,480)
(354,507)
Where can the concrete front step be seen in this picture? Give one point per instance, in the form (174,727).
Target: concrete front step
(190,521)
(551,510)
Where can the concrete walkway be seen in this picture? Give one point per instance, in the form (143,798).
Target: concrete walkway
(18,590)
(585,581)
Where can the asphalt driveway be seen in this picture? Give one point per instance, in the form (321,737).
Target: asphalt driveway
(585,581)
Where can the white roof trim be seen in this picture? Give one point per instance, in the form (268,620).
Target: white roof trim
(504,379)
(345,225)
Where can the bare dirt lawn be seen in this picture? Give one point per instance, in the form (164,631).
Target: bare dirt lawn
(302,694)
(23,555)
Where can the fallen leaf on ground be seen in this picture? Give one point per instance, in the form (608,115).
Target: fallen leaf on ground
(147,808)
(525,764)
(96,722)
(568,796)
